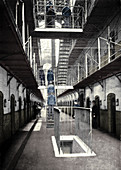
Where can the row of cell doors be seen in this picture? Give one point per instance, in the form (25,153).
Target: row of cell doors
(111,107)
(26,113)
(12,105)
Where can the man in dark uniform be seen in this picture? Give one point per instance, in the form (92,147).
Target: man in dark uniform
(50,77)
(66,13)
(94,114)
(50,19)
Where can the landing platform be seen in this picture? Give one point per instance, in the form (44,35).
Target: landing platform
(55,33)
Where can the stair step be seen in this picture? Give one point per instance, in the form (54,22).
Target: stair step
(50,126)
(50,121)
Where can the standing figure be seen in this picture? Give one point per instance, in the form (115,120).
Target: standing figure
(51,102)
(50,16)
(94,114)
(42,77)
(35,110)
(49,3)
(50,77)
(39,110)
(66,13)
(51,89)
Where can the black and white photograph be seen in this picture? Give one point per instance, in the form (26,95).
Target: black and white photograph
(60,84)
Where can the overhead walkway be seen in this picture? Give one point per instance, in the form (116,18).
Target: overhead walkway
(105,66)
(56,28)
(110,69)
(51,33)
(99,13)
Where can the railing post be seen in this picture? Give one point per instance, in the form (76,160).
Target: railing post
(73,20)
(17,3)
(78,72)
(23,25)
(99,57)
(30,51)
(71,115)
(34,64)
(85,10)
(86,65)
(45,12)
(109,44)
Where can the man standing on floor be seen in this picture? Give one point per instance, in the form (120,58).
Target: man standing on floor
(94,114)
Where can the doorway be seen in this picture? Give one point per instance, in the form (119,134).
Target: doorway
(1,117)
(111,112)
(12,114)
(97,100)
(88,102)
(81,100)
(25,113)
(20,119)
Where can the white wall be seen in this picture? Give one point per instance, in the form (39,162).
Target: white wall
(12,89)
(110,85)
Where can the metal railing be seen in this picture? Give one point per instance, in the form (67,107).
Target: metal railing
(95,59)
(76,121)
(13,21)
(42,20)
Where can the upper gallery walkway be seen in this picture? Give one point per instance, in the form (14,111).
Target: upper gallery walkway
(12,53)
(64,20)
(93,67)
(87,18)
(100,11)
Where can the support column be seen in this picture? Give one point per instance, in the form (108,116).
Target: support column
(34,65)
(45,13)
(31,51)
(86,65)
(99,57)
(78,72)
(23,25)
(36,75)
(85,10)
(109,44)
(17,3)
(53,55)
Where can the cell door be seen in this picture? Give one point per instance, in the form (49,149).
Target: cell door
(112,113)
(12,114)
(88,102)
(25,112)
(20,118)
(1,117)
(97,99)
(81,100)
